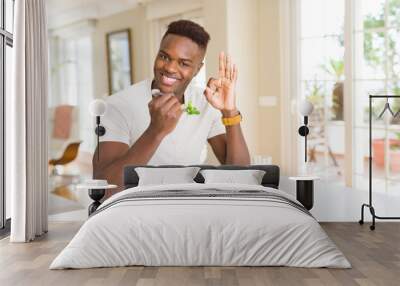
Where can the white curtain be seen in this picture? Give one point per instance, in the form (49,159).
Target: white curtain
(26,118)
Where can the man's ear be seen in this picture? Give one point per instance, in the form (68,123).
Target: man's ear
(199,68)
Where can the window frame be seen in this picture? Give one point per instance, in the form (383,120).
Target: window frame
(297,81)
(291,77)
(6,39)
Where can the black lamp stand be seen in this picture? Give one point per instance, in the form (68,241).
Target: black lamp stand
(304,131)
(97,194)
(100,131)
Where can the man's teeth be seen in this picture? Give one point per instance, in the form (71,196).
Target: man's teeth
(168,80)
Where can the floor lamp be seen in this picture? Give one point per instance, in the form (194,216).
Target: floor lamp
(97,188)
(305,109)
(98,108)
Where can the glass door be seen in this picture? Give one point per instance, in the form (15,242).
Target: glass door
(321,42)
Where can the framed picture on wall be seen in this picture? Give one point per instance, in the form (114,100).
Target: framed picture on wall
(119,60)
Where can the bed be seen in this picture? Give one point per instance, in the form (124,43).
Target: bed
(198,224)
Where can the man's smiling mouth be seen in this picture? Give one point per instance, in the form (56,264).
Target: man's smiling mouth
(168,80)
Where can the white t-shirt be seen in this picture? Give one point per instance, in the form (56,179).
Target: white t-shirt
(127,117)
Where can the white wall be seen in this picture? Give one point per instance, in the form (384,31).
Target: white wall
(269,78)
(243,44)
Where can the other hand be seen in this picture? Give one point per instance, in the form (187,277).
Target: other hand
(221,92)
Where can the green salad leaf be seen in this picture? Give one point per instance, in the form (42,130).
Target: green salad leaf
(191,110)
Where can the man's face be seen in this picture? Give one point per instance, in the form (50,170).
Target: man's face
(177,62)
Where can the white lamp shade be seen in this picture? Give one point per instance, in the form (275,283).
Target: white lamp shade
(98,107)
(306,108)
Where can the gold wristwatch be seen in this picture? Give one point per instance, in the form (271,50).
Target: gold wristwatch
(229,121)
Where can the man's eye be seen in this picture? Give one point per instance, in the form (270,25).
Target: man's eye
(163,57)
(184,64)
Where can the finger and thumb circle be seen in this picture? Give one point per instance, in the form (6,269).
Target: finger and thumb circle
(213,84)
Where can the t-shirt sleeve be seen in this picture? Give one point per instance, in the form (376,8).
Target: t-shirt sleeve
(217,127)
(117,128)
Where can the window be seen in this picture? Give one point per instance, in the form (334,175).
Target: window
(6,43)
(373,67)
(321,82)
(377,71)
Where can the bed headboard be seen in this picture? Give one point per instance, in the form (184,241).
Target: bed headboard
(270,179)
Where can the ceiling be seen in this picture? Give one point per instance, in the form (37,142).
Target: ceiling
(64,12)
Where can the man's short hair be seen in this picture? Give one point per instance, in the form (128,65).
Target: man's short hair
(190,30)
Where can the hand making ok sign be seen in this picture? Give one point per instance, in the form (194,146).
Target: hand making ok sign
(220,93)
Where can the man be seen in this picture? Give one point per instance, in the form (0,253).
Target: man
(145,129)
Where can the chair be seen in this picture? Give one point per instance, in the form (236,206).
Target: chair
(69,155)
(64,137)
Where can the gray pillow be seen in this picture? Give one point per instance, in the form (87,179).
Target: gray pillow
(163,176)
(248,177)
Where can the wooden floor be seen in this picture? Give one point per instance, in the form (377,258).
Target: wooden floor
(375,257)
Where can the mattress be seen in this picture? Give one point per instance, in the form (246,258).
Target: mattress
(201,225)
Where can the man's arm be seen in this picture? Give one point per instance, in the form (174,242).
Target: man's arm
(165,112)
(115,155)
(231,148)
